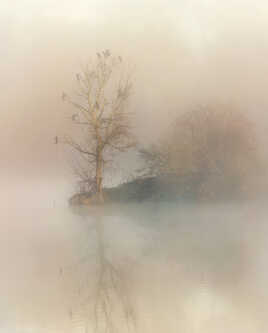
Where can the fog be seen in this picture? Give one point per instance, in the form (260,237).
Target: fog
(195,268)
(189,268)
(183,54)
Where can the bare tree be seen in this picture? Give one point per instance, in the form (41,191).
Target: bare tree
(210,151)
(102,116)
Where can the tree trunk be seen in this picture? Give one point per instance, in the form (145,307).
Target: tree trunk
(99,169)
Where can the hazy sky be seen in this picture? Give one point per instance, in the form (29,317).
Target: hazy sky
(185,53)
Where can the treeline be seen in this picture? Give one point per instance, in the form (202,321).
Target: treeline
(209,152)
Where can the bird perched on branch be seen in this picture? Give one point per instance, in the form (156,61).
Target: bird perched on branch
(63,96)
(106,53)
(74,117)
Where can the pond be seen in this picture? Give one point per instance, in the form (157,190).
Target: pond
(138,267)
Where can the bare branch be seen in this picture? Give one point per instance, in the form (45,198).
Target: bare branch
(100,102)
(78,147)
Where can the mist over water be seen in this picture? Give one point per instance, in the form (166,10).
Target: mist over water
(182,267)
(195,268)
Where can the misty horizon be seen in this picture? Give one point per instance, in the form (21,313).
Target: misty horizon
(184,265)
